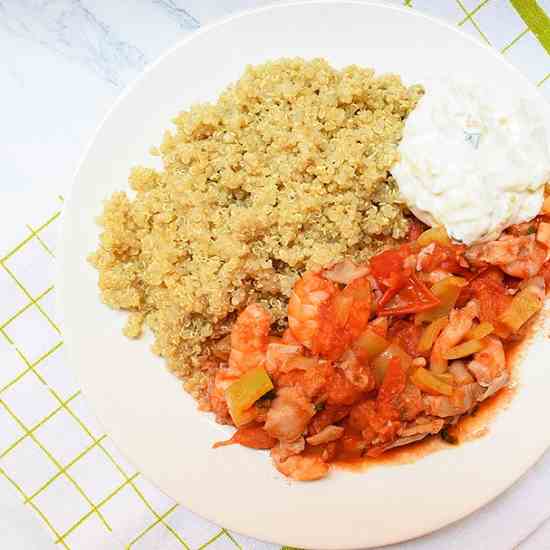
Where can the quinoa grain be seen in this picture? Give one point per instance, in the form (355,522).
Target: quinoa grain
(288,171)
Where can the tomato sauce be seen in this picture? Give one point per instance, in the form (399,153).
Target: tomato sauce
(469,427)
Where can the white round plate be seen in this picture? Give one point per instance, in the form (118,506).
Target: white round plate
(144,408)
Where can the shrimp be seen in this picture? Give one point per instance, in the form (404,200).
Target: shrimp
(436,256)
(461,401)
(345,272)
(520,257)
(419,429)
(312,377)
(341,391)
(499,382)
(460,373)
(326,435)
(529,262)
(249,342)
(329,415)
(491,294)
(310,292)
(499,252)
(489,367)
(278,356)
(254,437)
(488,363)
(249,339)
(460,323)
(537,286)
(361,414)
(435,276)
(409,402)
(223,379)
(289,414)
(284,449)
(288,338)
(343,319)
(351,309)
(422,425)
(358,374)
(380,420)
(301,467)
(399,443)
(424,256)
(325,319)
(288,459)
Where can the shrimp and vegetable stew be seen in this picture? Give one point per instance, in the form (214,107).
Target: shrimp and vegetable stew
(382,353)
(276,260)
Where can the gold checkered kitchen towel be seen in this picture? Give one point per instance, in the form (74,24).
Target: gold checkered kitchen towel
(53,455)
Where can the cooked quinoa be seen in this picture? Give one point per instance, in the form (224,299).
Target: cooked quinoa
(288,171)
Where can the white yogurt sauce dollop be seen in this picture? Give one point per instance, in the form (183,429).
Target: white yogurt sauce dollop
(473,159)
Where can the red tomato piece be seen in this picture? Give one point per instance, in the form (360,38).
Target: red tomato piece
(413,297)
(393,384)
(406,335)
(388,266)
(445,258)
(490,291)
(341,391)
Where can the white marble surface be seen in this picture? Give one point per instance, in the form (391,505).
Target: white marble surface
(63,64)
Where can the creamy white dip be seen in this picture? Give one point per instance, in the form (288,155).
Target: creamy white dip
(473,159)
